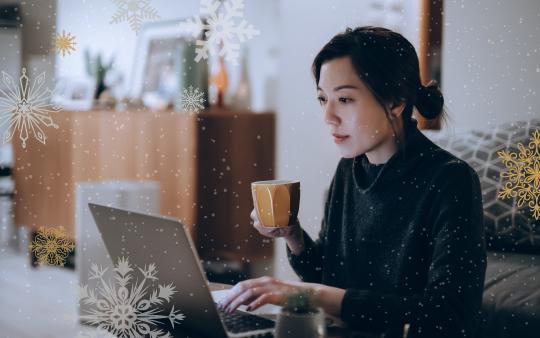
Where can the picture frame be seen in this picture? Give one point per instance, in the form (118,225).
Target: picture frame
(158,67)
(75,93)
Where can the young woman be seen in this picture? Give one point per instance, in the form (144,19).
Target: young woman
(402,239)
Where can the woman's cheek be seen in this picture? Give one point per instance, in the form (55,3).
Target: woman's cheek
(352,118)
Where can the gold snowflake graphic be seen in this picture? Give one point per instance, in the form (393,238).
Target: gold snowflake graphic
(23,107)
(64,43)
(51,246)
(523,174)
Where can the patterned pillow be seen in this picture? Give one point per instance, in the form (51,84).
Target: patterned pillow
(510,226)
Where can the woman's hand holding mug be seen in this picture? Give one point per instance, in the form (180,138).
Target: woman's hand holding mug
(277,202)
(275,232)
(292,233)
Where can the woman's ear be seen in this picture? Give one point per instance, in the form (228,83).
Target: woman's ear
(396,109)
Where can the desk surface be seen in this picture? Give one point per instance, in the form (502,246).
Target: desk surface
(333,332)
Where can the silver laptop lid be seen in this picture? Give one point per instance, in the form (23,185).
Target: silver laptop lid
(163,241)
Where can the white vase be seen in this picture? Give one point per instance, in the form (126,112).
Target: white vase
(306,325)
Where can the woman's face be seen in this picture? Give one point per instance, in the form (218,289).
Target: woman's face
(356,120)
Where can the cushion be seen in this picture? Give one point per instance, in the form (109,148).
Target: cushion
(511,301)
(509,228)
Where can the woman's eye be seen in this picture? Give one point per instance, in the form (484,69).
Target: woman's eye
(345,100)
(321,99)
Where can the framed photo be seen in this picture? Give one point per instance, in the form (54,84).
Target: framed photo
(74,93)
(158,64)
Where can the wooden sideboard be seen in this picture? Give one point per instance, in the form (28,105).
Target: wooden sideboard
(204,164)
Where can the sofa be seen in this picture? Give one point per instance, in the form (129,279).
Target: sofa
(511,301)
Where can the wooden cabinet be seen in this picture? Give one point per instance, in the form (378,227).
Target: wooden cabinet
(204,164)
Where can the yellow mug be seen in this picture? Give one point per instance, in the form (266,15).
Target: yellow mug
(276,201)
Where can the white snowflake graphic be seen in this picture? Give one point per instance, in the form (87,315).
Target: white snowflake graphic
(127,309)
(134,12)
(224,28)
(24,106)
(192,100)
(98,333)
(84,331)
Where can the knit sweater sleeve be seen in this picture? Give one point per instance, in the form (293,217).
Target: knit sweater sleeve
(450,303)
(308,264)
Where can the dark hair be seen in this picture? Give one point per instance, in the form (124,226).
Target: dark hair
(387,64)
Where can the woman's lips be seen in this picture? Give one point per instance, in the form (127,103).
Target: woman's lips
(339,138)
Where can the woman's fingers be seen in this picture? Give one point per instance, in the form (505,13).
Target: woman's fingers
(267,298)
(282,231)
(243,286)
(271,232)
(236,290)
(275,231)
(254,215)
(247,296)
(258,292)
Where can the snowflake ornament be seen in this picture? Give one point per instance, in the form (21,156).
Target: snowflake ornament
(192,100)
(24,107)
(523,175)
(224,28)
(64,43)
(98,333)
(84,331)
(134,12)
(51,246)
(127,309)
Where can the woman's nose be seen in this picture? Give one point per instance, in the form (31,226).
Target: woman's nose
(330,116)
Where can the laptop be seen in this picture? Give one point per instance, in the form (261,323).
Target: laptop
(147,239)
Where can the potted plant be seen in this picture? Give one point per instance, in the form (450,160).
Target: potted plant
(97,69)
(299,317)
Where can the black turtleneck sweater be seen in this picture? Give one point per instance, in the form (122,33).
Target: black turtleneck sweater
(406,241)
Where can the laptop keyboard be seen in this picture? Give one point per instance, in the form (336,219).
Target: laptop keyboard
(239,321)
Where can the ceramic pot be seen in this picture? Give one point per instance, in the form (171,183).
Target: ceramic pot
(306,325)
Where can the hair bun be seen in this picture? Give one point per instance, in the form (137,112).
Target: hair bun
(429,100)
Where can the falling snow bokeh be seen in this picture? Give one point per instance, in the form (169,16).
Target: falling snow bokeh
(488,65)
